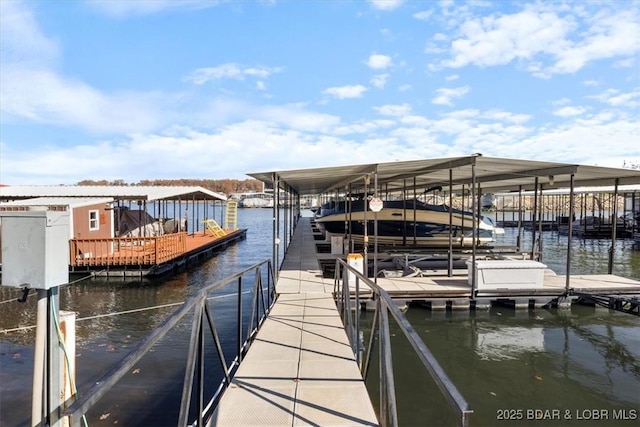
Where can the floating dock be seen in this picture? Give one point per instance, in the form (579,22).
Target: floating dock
(149,257)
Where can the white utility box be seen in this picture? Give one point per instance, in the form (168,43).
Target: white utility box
(35,248)
(357,262)
(507,274)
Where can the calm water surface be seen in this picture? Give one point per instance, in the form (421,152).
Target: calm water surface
(511,366)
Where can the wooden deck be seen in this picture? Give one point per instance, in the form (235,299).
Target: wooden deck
(145,255)
(300,370)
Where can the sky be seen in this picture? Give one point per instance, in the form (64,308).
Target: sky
(203,89)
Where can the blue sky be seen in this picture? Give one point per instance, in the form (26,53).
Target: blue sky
(165,89)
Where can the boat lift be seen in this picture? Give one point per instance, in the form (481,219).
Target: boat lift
(621,303)
(624,304)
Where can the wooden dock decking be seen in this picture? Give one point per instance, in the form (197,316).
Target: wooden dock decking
(300,370)
(145,256)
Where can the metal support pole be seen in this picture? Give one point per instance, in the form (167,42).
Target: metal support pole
(274,248)
(533,220)
(614,230)
(540,218)
(375,233)
(404,212)
(450,260)
(474,273)
(519,238)
(365,242)
(570,232)
(38,395)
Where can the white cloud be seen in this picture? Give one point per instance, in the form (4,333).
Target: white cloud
(21,41)
(345,92)
(386,4)
(32,89)
(569,111)
(296,117)
(505,116)
(379,62)
(614,98)
(625,63)
(397,110)
(363,127)
(228,71)
(539,32)
(445,96)
(452,77)
(379,80)
(610,35)
(424,15)
(44,97)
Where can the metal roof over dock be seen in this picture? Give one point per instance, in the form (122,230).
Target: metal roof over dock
(494,174)
(147,193)
(71,202)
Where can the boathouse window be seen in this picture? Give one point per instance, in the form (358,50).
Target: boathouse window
(93,221)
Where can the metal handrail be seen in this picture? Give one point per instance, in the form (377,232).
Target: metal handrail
(384,306)
(195,359)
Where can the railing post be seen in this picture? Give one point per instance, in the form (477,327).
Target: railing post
(191,356)
(239,320)
(385,305)
(386,370)
(356,313)
(200,369)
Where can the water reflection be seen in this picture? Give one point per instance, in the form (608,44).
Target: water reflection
(579,359)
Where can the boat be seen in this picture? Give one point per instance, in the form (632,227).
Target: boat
(255,200)
(406,223)
(488,201)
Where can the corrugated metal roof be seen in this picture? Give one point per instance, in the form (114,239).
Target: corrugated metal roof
(72,202)
(494,174)
(117,192)
(622,189)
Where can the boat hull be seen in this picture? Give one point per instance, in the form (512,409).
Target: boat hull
(408,227)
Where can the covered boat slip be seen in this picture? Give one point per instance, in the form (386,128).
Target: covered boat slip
(468,177)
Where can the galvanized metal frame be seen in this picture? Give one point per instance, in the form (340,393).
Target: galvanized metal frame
(385,305)
(195,360)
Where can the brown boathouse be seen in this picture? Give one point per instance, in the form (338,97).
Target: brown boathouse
(134,231)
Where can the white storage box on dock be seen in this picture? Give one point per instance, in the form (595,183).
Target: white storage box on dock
(507,274)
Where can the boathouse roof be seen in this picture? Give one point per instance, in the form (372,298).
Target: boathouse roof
(70,202)
(494,174)
(146,193)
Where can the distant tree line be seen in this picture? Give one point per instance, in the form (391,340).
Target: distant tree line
(226,186)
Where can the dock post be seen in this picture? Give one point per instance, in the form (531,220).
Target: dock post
(614,219)
(569,233)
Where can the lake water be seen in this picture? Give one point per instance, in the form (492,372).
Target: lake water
(566,367)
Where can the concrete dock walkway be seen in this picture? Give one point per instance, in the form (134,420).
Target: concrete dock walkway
(300,370)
